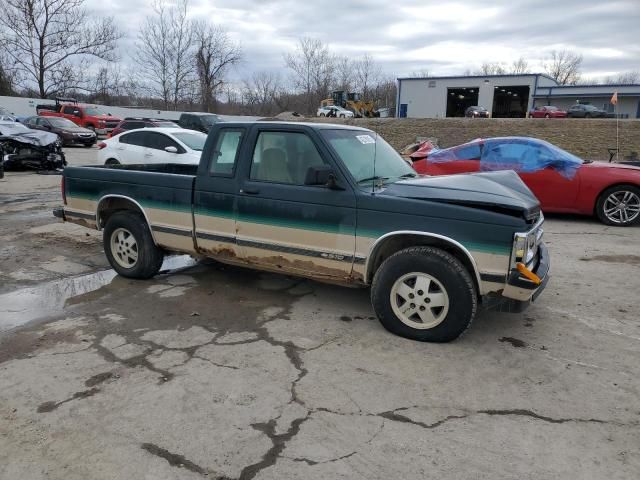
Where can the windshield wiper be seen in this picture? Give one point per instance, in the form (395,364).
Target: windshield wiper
(408,175)
(373,178)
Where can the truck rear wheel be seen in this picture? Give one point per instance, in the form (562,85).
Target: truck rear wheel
(129,246)
(425,294)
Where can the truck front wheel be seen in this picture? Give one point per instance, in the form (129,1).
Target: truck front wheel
(425,294)
(129,246)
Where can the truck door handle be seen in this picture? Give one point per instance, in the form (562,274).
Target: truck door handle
(250,191)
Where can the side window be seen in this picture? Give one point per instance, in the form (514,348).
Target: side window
(135,138)
(284,157)
(158,141)
(470,152)
(225,153)
(516,156)
(68,110)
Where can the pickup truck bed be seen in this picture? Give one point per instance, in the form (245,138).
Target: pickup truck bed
(301,199)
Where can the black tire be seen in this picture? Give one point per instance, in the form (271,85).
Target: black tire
(448,271)
(587,115)
(111,161)
(600,205)
(149,256)
(322,114)
(547,116)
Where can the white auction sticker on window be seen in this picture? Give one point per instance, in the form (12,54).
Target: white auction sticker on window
(364,139)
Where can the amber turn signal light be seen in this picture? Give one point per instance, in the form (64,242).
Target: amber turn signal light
(528,273)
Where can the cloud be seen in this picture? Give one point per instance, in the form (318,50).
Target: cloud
(444,37)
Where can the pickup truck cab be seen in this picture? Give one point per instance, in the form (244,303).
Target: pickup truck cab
(332,203)
(87,116)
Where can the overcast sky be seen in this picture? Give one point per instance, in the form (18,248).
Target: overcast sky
(404,36)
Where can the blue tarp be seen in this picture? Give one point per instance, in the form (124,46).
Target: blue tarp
(521,154)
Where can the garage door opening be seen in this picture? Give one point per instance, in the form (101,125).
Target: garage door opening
(510,102)
(459,99)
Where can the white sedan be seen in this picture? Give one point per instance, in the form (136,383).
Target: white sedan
(334,111)
(153,145)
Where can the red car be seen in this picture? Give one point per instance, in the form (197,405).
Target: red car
(562,182)
(547,111)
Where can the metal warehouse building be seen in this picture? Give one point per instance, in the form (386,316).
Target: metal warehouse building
(505,96)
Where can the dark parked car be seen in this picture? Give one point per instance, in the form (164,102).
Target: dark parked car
(476,112)
(131,123)
(23,148)
(586,111)
(69,132)
(201,122)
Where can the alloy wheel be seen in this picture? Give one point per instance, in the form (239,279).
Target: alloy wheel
(124,248)
(419,300)
(622,207)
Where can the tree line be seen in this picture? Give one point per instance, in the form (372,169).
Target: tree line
(52,48)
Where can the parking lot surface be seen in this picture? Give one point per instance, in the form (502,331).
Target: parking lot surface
(210,371)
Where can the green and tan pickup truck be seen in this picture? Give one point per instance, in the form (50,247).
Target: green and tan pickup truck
(332,203)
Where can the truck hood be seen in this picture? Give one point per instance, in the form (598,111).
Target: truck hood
(498,191)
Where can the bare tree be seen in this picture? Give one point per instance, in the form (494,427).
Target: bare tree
(564,67)
(367,74)
(313,68)
(520,66)
(164,52)
(8,75)
(48,39)
(182,35)
(491,68)
(214,54)
(425,73)
(626,78)
(261,91)
(344,77)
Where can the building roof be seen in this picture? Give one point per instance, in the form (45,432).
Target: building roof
(505,75)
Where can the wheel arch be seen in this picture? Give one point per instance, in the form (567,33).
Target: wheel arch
(112,203)
(392,242)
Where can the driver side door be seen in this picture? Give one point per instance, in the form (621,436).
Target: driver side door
(283,224)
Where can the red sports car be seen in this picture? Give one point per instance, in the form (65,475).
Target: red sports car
(547,111)
(562,182)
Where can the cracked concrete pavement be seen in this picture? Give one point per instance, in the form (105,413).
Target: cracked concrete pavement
(209,371)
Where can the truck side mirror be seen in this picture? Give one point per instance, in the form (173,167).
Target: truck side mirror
(171,149)
(76,113)
(322,175)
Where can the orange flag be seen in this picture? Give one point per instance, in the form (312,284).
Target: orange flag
(614,98)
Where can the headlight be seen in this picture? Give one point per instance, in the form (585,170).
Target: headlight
(526,245)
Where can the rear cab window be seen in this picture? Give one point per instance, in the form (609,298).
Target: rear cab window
(224,157)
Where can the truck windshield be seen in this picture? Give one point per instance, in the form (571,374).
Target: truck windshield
(357,149)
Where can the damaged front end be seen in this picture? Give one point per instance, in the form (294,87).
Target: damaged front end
(30,150)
